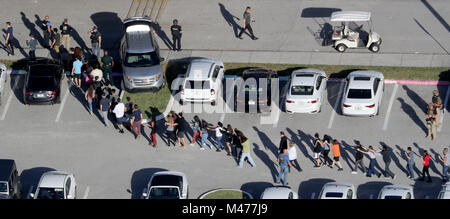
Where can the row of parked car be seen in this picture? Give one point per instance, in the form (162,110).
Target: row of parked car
(174,185)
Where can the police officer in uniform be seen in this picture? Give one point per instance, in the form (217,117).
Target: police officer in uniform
(176,35)
(66,30)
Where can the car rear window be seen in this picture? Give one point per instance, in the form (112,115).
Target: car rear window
(302,90)
(392,197)
(359,94)
(334,194)
(42,83)
(198,85)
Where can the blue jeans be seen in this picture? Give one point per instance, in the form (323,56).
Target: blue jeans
(372,168)
(445,172)
(246,155)
(410,167)
(90,106)
(283,171)
(219,142)
(96,49)
(205,140)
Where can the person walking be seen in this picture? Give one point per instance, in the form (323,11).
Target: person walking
(373,161)
(246,24)
(153,133)
(283,142)
(387,158)
(326,151)
(317,149)
(195,125)
(119,111)
(359,156)
(32,43)
(292,152)
(96,41)
(431,122)
(136,121)
(108,65)
(437,103)
(426,167)
(445,164)
(76,71)
(90,95)
(170,131)
(410,164)
(237,144)
(246,151)
(181,129)
(47,31)
(9,38)
(176,35)
(56,41)
(283,160)
(229,139)
(104,109)
(204,134)
(336,155)
(219,130)
(66,30)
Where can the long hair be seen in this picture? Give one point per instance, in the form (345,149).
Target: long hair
(90,91)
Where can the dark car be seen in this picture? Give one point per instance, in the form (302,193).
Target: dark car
(43,83)
(10,187)
(254,92)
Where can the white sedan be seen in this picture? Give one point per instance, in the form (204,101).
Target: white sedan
(56,185)
(445,192)
(166,185)
(396,192)
(338,190)
(279,192)
(363,93)
(305,91)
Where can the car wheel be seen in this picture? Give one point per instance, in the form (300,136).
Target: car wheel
(374,48)
(341,48)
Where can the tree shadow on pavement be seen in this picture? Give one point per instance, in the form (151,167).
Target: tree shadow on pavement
(262,155)
(256,188)
(267,142)
(229,18)
(140,180)
(370,190)
(30,178)
(412,114)
(312,186)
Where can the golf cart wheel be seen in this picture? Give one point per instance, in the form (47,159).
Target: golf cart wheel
(341,48)
(374,48)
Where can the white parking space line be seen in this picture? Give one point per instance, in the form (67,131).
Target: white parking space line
(8,102)
(86,193)
(336,104)
(441,119)
(62,105)
(391,102)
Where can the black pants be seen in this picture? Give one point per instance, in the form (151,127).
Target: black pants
(32,54)
(327,159)
(387,171)
(296,165)
(250,30)
(10,47)
(46,39)
(171,137)
(176,42)
(426,171)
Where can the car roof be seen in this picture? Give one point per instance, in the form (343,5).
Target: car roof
(313,73)
(399,190)
(167,178)
(363,79)
(6,167)
(337,187)
(43,69)
(199,69)
(350,16)
(139,40)
(276,192)
(53,179)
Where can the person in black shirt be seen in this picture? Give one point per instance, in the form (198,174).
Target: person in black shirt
(359,158)
(181,129)
(237,143)
(246,26)
(47,30)
(136,120)
(66,30)
(387,161)
(96,41)
(283,142)
(317,149)
(176,35)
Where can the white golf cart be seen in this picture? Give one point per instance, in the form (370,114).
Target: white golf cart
(350,35)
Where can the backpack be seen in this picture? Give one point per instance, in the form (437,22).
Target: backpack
(317,146)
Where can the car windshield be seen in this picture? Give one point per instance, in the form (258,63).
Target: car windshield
(302,90)
(334,194)
(197,85)
(141,60)
(50,193)
(164,193)
(3,187)
(359,94)
(42,83)
(392,197)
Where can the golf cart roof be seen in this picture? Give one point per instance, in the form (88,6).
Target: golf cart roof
(350,16)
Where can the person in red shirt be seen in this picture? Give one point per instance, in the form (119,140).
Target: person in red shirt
(426,167)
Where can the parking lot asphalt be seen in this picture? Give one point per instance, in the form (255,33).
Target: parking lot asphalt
(108,165)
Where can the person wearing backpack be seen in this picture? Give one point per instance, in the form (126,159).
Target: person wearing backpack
(317,149)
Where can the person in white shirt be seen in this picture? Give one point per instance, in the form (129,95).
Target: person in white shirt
(292,152)
(119,110)
(218,129)
(446,164)
(373,161)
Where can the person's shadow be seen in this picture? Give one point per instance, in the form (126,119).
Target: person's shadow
(262,155)
(230,19)
(432,161)
(412,114)
(160,32)
(32,28)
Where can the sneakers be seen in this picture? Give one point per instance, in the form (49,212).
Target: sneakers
(202,149)
(218,150)
(354,172)
(379,175)
(191,144)
(393,177)
(121,131)
(240,37)
(255,38)
(340,169)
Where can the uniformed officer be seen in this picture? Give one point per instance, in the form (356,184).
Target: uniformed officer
(247,20)
(437,103)
(431,122)
(108,64)
(176,35)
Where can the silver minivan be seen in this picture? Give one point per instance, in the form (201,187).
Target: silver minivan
(139,52)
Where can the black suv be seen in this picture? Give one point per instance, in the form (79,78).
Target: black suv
(10,186)
(43,82)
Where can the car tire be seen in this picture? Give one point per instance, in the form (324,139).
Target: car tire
(374,48)
(341,48)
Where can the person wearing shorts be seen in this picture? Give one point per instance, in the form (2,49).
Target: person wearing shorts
(181,127)
(119,110)
(76,71)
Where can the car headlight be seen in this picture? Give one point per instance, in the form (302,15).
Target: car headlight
(130,79)
(158,76)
